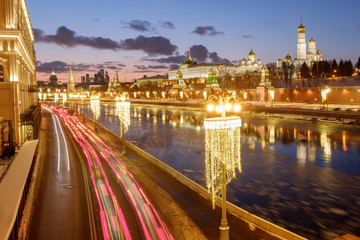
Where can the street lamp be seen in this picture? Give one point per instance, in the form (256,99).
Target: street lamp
(123,112)
(222,156)
(95,108)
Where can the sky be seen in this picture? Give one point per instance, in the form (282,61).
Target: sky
(149,37)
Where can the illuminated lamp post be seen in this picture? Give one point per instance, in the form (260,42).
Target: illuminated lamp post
(123,112)
(95,108)
(222,156)
(324,94)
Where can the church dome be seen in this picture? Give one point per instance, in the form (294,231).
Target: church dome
(243,62)
(312,40)
(301,28)
(259,62)
(288,58)
(251,54)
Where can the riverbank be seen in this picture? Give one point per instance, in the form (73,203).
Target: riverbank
(343,114)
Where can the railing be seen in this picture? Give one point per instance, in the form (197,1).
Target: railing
(15,186)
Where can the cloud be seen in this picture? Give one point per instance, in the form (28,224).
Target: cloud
(138,25)
(158,67)
(167,24)
(151,45)
(57,66)
(63,67)
(199,53)
(65,37)
(216,59)
(247,36)
(207,30)
(174,66)
(142,67)
(171,59)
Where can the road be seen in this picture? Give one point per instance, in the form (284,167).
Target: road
(60,212)
(80,168)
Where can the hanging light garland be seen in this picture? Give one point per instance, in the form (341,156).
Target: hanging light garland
(123,112)
(222,146)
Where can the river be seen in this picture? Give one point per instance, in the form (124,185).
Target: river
(303,176)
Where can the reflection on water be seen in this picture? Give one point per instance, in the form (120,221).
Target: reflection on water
(302,176)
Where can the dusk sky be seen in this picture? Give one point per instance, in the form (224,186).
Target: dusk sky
(149,37)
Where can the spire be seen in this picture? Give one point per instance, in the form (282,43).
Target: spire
(70,84)
(189,55)
(301,27)
(71,79)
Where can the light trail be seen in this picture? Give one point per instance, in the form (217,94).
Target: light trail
(110,213)
(58,142)
(65,143)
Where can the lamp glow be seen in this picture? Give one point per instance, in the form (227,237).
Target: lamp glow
(219,108)
(228,106)
(237,107)
(210,107)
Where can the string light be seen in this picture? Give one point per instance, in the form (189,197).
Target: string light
(123,112)
(95,108)
(222,146)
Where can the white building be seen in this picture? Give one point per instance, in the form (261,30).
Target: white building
(193,72)
(310,56)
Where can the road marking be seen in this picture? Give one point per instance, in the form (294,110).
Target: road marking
(65,142)
(58,142)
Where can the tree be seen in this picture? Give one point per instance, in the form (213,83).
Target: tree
(348,68)
(358,64)
(304,73)
(341,68)
(326,69)
(334,68)
(314,70)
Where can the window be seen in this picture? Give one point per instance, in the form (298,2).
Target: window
(1,73)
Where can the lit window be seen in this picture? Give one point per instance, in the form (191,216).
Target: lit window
(1,73)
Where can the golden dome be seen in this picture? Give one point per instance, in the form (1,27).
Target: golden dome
(312,40)
(288,58)
(251,54)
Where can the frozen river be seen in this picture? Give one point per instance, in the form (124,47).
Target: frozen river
(300,175)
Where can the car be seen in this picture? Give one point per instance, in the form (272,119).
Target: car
(336,109)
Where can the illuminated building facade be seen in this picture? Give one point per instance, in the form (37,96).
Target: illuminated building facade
(194,73)
(302,55)
(18,87)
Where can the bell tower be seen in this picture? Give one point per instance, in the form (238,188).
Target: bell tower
(301,45)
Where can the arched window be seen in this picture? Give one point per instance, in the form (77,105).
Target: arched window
(1,73)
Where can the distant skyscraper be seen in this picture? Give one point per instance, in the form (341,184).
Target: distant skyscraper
(53,79)
(82,79)
(70,84)
(87,78)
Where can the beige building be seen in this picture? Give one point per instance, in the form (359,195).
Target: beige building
(18,87)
